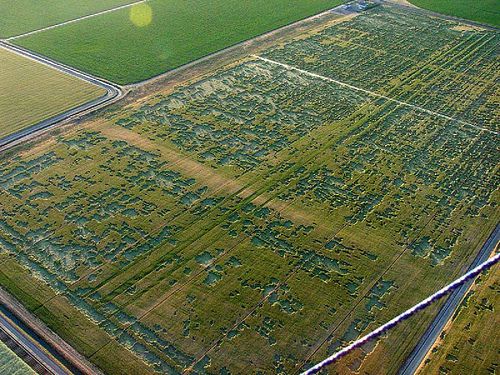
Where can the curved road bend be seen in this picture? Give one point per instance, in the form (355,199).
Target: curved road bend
(113,93)
(430,336)
(30,346)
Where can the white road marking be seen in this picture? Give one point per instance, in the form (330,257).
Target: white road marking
(76,20)
(371,93)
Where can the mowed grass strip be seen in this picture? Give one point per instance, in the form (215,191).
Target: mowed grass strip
(485,11)
(137,43)
(22,16)
(31,92)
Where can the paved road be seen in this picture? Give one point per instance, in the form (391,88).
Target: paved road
(113,93)
(452,303)
(30,346)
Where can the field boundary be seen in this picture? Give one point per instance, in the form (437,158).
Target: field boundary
(371,93)
(115,91)
(113,94)
(41,360)
(249,43)
(75,20)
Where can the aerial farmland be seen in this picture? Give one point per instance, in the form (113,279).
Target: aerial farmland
(159,35)
(466,345)
(28,84)
(485,11)
(261,193)
(23,16)
(10,363)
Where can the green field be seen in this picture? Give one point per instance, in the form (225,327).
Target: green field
(258,218)
(484,11)
(26,86)
(470,344)
(134,44)
(22,16)
(11,364)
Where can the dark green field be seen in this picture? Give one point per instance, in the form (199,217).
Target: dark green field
(22,16)
(485,11)
(28,84)
(134,44)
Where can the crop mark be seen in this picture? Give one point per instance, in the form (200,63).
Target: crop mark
(371,93)
(349,314)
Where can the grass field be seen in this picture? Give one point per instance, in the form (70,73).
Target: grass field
(153,38)
(258,218)
(25,89)
(470,344)
(485,11)
(11,364)
(22,16)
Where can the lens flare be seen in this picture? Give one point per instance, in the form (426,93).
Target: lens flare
(141,15)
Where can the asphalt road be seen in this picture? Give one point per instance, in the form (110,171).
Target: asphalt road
(430,336)
(31,347)
(113,93)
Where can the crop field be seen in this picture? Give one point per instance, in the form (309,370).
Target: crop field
(485,11)
(469,344)
(258,218)
(160,35)
(11,364)
(25,86)
(22,16)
